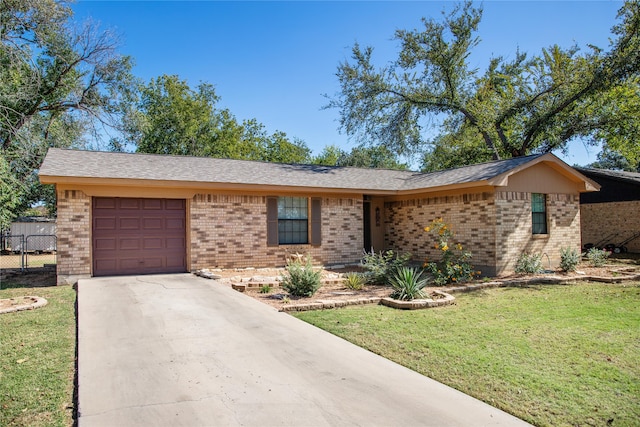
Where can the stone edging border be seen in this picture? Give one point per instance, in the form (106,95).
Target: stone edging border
(321,305)
(449,299)
(419,303)
(37,302)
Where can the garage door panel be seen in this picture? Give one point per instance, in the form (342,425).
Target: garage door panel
(152,204)
(176,243)
(126,265)
(129,244)
(138,236)
(104,223)
(175,204)
(153,243)
(153,263)
(175,262)
(105,264)
(175,224)
(106,243)
(129,223)
(152,223)
(104,203)
(129,204)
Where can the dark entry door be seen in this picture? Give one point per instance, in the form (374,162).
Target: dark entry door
(138,236)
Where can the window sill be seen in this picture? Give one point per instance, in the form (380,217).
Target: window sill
(540,236)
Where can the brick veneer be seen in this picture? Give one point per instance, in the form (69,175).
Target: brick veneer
(563,213)
(230,231)
(484,224)
(471,216)
(600,220)
(74,241)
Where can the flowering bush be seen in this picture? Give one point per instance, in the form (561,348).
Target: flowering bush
(454,265)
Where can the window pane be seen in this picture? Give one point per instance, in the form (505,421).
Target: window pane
(539,213)
(292,232)
(292,208)
(537,202)
(293,224)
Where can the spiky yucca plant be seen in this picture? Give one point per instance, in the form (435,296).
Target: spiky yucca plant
(408,283)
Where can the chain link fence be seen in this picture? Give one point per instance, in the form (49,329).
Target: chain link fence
(20,252)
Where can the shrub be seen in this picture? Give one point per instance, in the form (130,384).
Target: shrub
(529,263)
(455,265)
(265,289)
(381,266)
(569,259)
(301,280)
(407,284)
(354,281)
(597,257)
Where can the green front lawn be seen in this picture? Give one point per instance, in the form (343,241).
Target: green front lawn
(551,355)
(37,351)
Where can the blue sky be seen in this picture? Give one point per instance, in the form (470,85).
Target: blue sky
(274,61)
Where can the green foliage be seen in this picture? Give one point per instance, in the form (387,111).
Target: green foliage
(407,284)
(609,159)
(517,106)
(172,118)
(58,83)
(301,280)
(569,259)
(381,266)
(529,263)
(9,194)
(362,157)
(454,265)
(354,281)
(597,257)
(265,289)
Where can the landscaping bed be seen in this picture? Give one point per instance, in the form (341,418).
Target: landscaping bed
(334,294)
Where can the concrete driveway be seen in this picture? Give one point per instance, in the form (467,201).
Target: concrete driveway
(178,350)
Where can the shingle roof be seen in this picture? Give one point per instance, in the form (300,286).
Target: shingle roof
(97,164)
(593,173)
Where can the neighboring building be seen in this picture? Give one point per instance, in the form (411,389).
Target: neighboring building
(611,216)
(136,213)
(32,234)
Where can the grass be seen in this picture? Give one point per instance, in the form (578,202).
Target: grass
(37,354)
(551,355)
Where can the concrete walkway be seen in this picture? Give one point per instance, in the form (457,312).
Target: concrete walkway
(178,350)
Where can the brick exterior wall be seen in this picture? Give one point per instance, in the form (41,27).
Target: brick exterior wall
(600,220)
(563,222)
(496,228)
(471,216)
(230,231)
(74,240)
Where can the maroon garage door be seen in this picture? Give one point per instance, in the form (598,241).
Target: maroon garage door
(138,236)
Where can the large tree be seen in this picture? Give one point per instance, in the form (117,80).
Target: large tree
(172,118)
(361,156)
(516,107)
(58,81)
